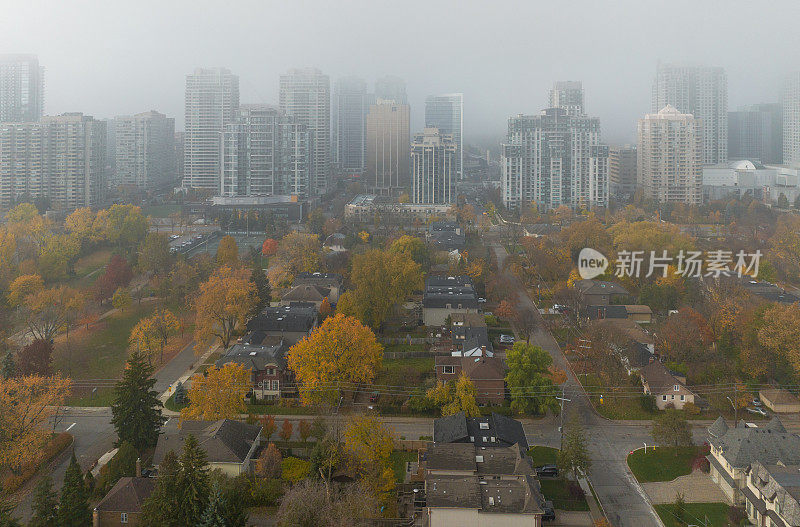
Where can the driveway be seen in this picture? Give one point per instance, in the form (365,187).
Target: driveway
(696,487)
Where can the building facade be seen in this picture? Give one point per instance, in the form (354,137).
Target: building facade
(568,95)
(756,133)
(350,106)
(212,98)
(21,88)
(622,171)
(60,158)
(391,88)
(433,167)
(265,153)
(388,154)
(305,94)
(446,112)
(703,92)
(670,157)
(144,151)
(791,120)
(554,159)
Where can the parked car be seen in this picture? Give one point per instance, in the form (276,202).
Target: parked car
(547,471)
(506,339)
(759,411)
(373,397)
(549,512)
(757,403)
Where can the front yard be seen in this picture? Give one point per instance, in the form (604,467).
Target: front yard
(707,514)
(662,463)
(566,496)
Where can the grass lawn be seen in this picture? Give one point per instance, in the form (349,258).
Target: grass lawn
(557,491)
(405,348)
(621,408)
(543,455)
(399,459)
(661,464)
(696,513)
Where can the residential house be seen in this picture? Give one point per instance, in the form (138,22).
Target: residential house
(487,373)
(446,296)
(634,346)
(291,323)
(264,356)
(735,450)
(639,313)
(468,326)
(330,281)
(772,495)
(494,430)
(229,444)
(668,388)
(468,485)
(306,294)
(122,506)
(598,292)
(779,400)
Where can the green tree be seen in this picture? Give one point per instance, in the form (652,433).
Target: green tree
(532,391)
(263,289)
(154,256)
(574,456)
(136,410)
(672,429)
(161,507)
(73,509)
(45,503)
(193,482)
(8,368)
(214,516)
(121,465)
(225,506)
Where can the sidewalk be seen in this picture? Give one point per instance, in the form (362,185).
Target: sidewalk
(187,375)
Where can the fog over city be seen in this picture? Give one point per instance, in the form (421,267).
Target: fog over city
(113,58)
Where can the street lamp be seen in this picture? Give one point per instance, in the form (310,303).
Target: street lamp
(735,411)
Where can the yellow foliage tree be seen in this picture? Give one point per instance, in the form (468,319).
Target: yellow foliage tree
(223,304)
(454,397)
(228,252)
(297,252)
(219,394)
(22,286)
(121,299)
(781,332)
(341,351)
(152,333)
(26,403)
(368,445)
(49,310)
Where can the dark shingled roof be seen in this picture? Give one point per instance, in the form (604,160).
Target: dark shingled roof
(448,281)
(286,318)
(225,440)
(306,293)
(127,495)
(744,445)
(254,357)
(458,428)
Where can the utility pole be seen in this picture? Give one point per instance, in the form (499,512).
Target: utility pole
(561,416)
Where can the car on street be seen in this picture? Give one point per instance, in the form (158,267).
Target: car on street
(547,471)
(549,512)
(758,411)
(757,403)
(506,339)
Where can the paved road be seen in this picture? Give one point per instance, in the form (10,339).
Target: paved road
(620,495)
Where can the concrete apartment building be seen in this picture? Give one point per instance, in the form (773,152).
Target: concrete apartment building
(446,112)
(305,94)
(61,158)
(265,153)
(348,132)
(144,151)
(756,133)
(391,88)
(791,119)
(622,171)
(670,157)
(433,167)
(388,151)
(702,92)
(21,88)
(555,158)
(212,99)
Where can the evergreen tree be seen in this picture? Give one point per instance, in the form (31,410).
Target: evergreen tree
(234,507)
(6,508)
(122,464)
(214,515)
(73,509)
(193,482)
(8,368)
(162,505)
(136,409)
(574,456)
(45,504)
(263,289)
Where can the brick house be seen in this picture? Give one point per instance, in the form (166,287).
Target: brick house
(122,506)
(264,357)
(487,374)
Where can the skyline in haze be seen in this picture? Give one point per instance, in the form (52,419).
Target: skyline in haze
(114,59)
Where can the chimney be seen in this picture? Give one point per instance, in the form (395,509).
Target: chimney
(138,467)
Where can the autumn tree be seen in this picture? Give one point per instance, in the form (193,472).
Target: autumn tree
(304,429)
(412,247)
(22,286)
(505,310)
(268,426)
(36,358)
(117,274)
(151,334)
(455,396)
(121,299)
(670,428)
(529,381)
(312,503)
(57,255)
(218,394)
(136,410)
(227,252)
(780,332)
(340,351)
(286,430)
(297,252)
(122,225)
(268,464)
(784,247)
(368,446)
(269,247)
(380,280)
(325,308)
(223,305)
(685,336)
(49,310)
(80,224)
(153,255)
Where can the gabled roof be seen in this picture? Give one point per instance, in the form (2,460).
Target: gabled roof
(659,379)
(290,318)
(769,445)
(306,293)
(719,428)
(779,396)
(224,440)
(254,357)
(127,495)
(458,428)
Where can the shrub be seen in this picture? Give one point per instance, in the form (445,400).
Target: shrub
(648,403)
(691,409)
(295,469)
(701,463)
(266,492)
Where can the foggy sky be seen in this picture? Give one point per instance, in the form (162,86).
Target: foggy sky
(108,58)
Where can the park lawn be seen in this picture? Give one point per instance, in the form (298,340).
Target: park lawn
(661,464)
(399,458)
(695,513)
(88,268)
(543,455)
(556,491)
